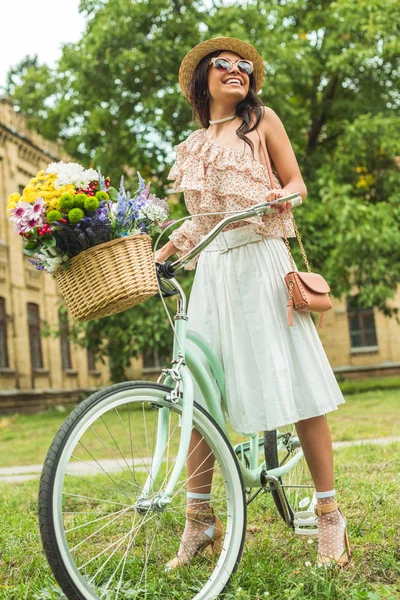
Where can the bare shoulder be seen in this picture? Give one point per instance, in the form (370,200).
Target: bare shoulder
(281,150)
(271,122)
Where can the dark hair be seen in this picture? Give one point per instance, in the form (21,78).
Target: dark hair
(199,96)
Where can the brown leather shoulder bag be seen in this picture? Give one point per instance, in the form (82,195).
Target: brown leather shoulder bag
(308,292)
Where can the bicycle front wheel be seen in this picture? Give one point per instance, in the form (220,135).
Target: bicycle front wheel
(98,541)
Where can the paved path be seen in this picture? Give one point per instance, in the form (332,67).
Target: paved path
(28,472)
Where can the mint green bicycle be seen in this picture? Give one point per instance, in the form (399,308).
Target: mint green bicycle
(112,497)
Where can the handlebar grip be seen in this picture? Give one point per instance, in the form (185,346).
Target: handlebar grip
(296,201)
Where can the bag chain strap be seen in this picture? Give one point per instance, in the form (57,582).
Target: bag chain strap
(303,252)
(267,160)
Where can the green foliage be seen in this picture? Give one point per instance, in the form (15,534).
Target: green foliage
(365,385)
(332,75)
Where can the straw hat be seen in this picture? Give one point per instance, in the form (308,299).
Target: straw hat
(194,56)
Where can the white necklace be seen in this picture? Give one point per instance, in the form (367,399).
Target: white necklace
(222,120)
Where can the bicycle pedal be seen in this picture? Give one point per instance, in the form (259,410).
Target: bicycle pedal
(305,522)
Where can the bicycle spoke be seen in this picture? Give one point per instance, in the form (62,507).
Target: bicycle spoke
(93,521)
(100,529)
(99,468)
(93,498)
(108,475)
(117,446)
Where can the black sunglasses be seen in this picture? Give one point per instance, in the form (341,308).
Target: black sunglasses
(224,64)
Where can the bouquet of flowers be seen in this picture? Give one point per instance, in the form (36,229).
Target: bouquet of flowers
(68,209)
(95,239)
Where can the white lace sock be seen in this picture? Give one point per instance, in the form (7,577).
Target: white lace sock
(331,528)
(197,527)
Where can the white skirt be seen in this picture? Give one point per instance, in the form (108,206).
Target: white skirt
(275,375)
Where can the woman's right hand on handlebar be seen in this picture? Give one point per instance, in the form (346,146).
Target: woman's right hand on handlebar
(165,252)
(275,194)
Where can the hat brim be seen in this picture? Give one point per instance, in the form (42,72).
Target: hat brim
(194,56)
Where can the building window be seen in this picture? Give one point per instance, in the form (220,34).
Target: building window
(91,360)
(35,340)
(3,335)
(361,325)
(64,340)
(155,360)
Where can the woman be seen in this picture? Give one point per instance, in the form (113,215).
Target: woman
(275,374)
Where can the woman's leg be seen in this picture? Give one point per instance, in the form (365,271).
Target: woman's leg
(315,438)
(200,467)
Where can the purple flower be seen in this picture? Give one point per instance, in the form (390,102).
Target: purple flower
(102,184)
(141,181)
(36,264)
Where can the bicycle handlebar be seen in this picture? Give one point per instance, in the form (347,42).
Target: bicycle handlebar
(168,269)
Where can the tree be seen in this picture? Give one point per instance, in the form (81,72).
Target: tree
(332,75)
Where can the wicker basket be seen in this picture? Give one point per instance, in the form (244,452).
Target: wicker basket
(109,278)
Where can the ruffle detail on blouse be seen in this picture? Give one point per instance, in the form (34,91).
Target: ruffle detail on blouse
(185,238)
(198,156)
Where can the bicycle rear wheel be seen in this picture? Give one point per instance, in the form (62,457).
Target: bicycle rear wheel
(97,542)
(280,446)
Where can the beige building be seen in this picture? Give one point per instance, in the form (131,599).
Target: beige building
(35,371)
(361,342)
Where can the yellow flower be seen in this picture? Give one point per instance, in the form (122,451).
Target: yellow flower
(365,181)
(31,197)
(28,189)
(55,203)
(10,206)
(14,198)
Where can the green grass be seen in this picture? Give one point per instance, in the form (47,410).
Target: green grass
(365,385)
(368,415)
(274,561)
(24,439)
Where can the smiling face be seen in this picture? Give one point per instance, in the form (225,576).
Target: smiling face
(223,93)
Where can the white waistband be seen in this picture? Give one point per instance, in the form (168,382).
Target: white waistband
(232,238)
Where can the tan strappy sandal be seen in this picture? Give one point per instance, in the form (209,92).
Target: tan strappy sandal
(344,558)
(212,546)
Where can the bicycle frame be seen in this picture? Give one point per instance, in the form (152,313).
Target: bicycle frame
(180,379)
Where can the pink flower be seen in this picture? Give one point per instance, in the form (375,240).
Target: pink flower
(18,213)
(33,221)
(146,190)
(38,205)
(19,227)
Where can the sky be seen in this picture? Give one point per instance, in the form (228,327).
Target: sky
(36,27)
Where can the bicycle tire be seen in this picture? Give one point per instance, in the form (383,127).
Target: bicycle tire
(64,569)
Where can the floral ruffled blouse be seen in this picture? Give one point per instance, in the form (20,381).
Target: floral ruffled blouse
(218,178)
